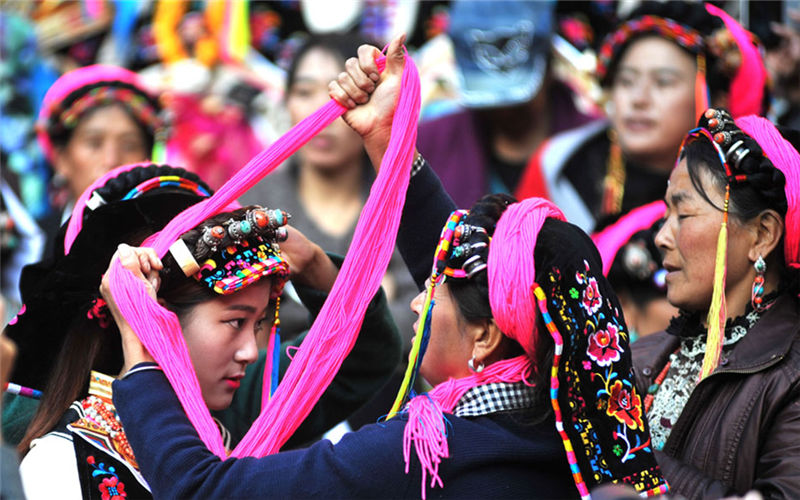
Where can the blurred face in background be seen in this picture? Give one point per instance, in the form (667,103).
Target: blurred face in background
(652,95)
(338,145)
(104,138)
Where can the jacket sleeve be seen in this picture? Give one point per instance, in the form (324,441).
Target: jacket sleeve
(426,210)
(777,473)
(177,464)
(366,369)
(778,466)
(688,480)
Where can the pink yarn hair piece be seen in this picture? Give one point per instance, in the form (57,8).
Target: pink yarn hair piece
(72,81)
(512,279)
(614,237)
(747,87)
(333,334)
(512,270)
(786,159)
(426,428)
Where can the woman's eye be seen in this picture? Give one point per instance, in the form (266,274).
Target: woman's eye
(236,323)
(261,324)
(665,82)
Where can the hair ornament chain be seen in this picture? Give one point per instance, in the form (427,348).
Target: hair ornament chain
(266,223)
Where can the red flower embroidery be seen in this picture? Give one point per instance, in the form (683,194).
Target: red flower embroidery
(626,406)
(604,346)
(591,299)
(112,489)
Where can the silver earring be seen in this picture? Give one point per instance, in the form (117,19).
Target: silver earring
(472,368)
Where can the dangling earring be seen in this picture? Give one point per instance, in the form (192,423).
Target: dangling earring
(472,367)
(757,295)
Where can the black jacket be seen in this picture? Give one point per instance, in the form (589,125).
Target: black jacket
(740,429)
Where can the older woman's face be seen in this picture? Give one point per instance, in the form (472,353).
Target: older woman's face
(104,139)
(688,241)
(449,347)
(653,100)
(338,144)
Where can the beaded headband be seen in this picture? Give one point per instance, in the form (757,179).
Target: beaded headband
(454,244)
(238,252)
(683,35)
(96,200)
(166,181)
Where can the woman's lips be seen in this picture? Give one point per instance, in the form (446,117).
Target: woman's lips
(639,124)
(233,382)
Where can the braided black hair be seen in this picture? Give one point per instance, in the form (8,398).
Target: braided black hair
(760,185)
(115,189)
(472,294)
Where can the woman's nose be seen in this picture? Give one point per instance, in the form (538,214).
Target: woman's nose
(663,237)
(248,351)
(416,303)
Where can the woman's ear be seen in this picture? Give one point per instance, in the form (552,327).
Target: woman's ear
(769,228)
(489,344)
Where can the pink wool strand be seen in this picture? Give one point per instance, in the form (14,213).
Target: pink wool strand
(426,423)
(786,159)
(512,270)
(333,334)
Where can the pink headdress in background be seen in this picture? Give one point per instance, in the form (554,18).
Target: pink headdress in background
(333,334)
(746,95)
(615,236)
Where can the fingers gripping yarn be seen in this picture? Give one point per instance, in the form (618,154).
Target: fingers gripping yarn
(333,334)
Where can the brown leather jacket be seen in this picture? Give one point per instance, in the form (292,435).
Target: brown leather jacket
(740,429)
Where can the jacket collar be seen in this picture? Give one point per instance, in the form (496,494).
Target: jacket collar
(768,341)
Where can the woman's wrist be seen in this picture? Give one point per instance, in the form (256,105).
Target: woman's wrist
(320,273)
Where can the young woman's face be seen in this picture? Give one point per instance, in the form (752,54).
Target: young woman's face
(106,138)
(653,100)
(688,241)
(338,144)
(449,347)
(221,337)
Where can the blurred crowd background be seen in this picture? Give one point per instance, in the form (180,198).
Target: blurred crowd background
(219,70)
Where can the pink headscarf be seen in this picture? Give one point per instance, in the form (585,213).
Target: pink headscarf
(786,159)
(615,236)
(511,276)
(72,81)
(512,271)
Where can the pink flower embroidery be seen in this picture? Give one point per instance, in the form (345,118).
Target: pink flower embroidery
(604,346)
(112,489)
(626,406)
(591,299)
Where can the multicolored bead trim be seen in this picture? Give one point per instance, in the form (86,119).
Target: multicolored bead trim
(683,35)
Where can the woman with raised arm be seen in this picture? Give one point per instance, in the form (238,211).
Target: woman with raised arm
(516,319)
(722,384)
